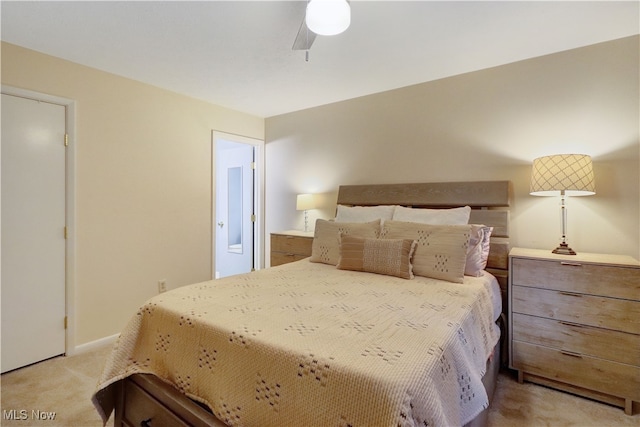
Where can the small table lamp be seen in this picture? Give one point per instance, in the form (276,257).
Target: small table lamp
(304,202)
(563,175)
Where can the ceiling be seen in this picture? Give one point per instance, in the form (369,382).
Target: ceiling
(238,54)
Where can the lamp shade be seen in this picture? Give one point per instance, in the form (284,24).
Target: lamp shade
(328,17)
(568,174)
(305,202)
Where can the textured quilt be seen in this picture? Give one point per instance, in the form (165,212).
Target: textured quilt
(306,344)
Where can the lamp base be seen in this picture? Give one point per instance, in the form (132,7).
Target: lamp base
(563,249)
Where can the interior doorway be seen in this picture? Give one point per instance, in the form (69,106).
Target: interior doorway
(237,218)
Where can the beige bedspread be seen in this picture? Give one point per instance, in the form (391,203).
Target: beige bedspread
(305,344)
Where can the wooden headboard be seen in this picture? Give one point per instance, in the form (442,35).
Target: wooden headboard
(489,201)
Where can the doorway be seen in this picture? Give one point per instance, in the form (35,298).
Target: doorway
(237,219)
(35,226)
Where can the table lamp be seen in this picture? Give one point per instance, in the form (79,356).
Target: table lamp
(304,202)
(563,175)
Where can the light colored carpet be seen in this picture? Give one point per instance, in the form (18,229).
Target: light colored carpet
(528,404)
(64,385)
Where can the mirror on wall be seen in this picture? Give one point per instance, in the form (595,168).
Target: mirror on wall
(235,209)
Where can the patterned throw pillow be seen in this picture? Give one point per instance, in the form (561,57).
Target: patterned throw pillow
(441,250)
(326,238)
(383,256)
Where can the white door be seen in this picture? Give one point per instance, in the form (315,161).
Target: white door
(33,221)
(234,229)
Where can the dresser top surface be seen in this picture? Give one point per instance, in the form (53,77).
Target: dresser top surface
(583,257)
(297,233)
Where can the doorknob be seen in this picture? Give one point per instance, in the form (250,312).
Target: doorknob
(220,224)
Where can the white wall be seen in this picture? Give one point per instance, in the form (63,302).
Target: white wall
(485,125)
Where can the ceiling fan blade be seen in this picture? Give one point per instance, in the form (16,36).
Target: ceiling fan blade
(305,37)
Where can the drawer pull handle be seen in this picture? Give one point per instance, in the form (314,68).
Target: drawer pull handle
(290,254)
(570,294)
(574,325)
(571,353)
(571,264)
(145,423)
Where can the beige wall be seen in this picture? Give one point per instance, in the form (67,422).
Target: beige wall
(485,125)
(143,167)
(143,184)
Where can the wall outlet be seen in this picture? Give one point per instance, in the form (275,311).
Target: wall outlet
(162,286)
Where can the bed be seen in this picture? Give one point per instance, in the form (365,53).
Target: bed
(315,343)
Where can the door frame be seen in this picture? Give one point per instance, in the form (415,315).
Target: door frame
(258,241)
(70,204)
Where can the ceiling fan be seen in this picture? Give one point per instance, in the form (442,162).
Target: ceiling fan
(322,17)
(305,37)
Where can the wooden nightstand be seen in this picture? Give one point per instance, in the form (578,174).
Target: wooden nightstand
(575,323)
(289,246)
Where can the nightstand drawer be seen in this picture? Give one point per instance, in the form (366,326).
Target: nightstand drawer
(590,373)
(279,258)
(609,313)
(291,244)
(597,342)
(577,276)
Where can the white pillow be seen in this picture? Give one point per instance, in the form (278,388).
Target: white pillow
(363,213)
(478,251)
(454,216)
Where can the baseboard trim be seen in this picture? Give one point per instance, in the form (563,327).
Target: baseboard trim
(94,345)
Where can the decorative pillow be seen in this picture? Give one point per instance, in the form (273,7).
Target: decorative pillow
(383,256)
(454,216)
(441,250)
(363,213)
(326,238)
(478,251)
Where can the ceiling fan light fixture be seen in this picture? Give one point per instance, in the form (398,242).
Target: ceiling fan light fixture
(328,17)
